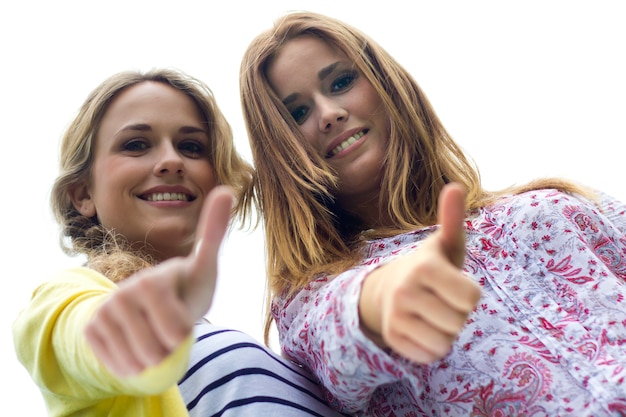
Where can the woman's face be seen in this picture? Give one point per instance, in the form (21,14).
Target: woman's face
(151,168)
(338,112)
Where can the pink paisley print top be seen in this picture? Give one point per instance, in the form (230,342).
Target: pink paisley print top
(548,337)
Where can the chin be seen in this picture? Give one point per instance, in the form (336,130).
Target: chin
(173,244)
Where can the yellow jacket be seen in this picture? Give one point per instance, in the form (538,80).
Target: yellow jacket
(49,341)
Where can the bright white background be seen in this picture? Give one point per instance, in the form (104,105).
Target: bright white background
(528,88)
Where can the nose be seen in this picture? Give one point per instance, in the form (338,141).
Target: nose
(169,161)
(331,112)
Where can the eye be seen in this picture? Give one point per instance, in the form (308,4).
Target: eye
(192,148)
(343,82)
(135,145)
(299,114)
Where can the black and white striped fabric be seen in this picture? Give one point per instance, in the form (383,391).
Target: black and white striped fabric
(230,374)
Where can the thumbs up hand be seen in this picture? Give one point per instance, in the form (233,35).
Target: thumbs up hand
(154,310)
(417,304)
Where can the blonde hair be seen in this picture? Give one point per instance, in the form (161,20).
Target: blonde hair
(293,187)
(111,254)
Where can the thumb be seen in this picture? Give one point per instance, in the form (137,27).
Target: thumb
(198,285)
(212,226)
(450,216)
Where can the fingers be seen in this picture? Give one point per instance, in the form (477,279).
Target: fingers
(116,334)
(450,216)
(168,318)
(422,326)
(445,280)
(141,323)
(430,308)
(424,344)
(111,348)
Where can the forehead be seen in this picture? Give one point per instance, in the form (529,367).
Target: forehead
(151,102)
(149,94)
(301,59)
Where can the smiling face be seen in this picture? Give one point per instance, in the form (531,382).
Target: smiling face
(151,170)
(338,112)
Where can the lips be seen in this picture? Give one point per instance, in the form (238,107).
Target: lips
(346,143)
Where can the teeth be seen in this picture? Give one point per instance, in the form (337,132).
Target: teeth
(343,145)
(168,197)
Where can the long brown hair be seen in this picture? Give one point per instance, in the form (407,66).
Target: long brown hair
(293,186)
(107,253)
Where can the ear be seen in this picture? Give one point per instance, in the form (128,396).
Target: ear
(81,199)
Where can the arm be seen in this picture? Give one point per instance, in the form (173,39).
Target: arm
(49,340)
(83,337)
(370,326)
(319,328)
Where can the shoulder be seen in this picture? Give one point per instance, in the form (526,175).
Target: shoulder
(58,293)
(222,336)
(535,202)
(70,283)
(82,276)
(73,281)
(530,210)
(228,367)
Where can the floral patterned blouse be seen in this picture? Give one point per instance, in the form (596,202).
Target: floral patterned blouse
(548,337)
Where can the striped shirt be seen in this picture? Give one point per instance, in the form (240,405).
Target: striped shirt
(230,374)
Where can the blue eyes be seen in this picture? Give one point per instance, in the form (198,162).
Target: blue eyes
(299,114)
(339,85)
(342,82)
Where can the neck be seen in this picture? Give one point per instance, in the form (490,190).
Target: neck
(368,211)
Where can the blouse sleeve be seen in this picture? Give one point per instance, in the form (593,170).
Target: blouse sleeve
(319,328)
(49,341)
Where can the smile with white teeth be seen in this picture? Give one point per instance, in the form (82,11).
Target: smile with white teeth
(343,145)
(167,197)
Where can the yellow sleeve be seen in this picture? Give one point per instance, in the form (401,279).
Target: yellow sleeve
(49,341)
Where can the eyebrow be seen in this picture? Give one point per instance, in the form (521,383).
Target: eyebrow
(142,127)
(323,73)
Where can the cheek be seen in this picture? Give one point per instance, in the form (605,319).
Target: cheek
(376,104)
(206,176)
(382,117)
(387,124)
(309,130)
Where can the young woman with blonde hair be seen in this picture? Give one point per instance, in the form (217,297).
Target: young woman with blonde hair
(145,192)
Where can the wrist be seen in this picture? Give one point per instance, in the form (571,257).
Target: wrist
(369,310)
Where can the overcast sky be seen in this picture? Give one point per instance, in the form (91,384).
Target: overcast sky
(529,89)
